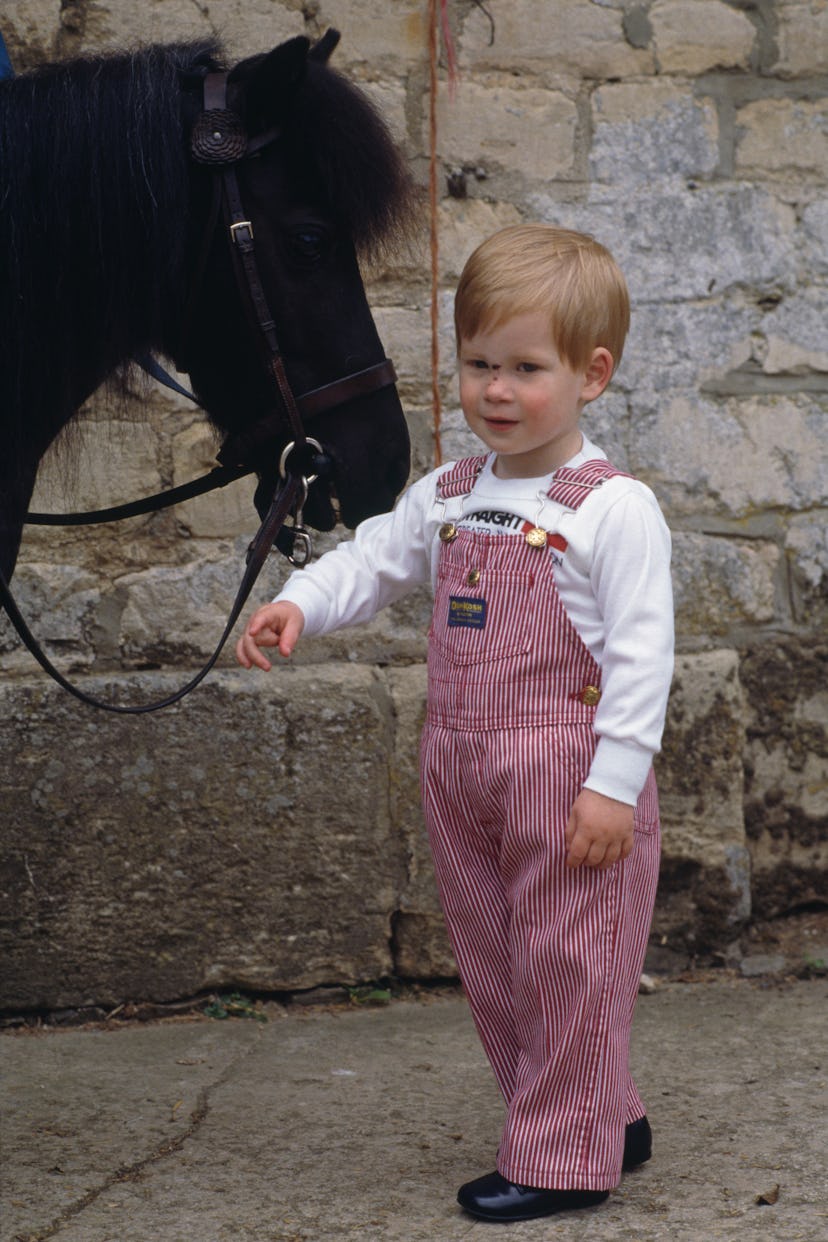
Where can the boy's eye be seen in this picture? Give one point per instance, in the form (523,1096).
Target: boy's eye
(528,366)
(477,364)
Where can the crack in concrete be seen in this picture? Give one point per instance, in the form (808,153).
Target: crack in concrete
(133,1171)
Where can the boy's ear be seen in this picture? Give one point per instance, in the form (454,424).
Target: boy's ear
(598,373)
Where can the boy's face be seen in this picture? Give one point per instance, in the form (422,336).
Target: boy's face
(521,399)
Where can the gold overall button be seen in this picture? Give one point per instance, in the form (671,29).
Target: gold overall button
(474,577)
(590,695)
(448,532)
(536,538)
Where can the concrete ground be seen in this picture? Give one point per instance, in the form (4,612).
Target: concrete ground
(360,1123)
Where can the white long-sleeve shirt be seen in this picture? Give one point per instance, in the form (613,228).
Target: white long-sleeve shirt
(613,579)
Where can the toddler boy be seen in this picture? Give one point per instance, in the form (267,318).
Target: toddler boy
(550,658)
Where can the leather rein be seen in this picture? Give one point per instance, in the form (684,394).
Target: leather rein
(219,141)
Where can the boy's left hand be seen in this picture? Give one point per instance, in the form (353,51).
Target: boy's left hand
(599,830)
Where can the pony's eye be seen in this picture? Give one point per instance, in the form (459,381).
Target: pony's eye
(308,243)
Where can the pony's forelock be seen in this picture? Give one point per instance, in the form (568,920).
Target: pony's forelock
(361,167)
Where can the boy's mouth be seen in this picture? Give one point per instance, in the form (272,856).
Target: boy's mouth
(498,424)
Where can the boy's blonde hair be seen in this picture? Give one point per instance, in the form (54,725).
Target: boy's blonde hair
(537,267)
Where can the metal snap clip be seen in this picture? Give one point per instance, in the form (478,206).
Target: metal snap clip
(302,547)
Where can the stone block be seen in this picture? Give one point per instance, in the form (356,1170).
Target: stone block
(376,33)
(421,947)
(801,37)
(62,605)
(806,548)
(793,337)
(606,422)
(735,457)
(389,99)
(652,129)
(679,244)
(689,343)
(786,769)
(567,38)
(421,424)
(456,438)
(118,24)
(31,29)
(534,137)
(245,26)
(465,223)
(107,459)
(222,514)
(704,891)
(171,614)
(783,136)
(785,357)
(722,583)
(240,840)
(406,334)
(815,236)
(694,36)
(447,342)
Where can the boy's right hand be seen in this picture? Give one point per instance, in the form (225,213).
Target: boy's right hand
(272,625)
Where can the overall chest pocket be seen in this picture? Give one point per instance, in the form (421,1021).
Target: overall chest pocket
(481,614)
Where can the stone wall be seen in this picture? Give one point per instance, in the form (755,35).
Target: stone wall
(266,833)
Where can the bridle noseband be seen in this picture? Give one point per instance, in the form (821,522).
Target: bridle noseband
(219,140)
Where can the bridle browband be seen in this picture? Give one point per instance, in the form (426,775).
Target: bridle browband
(218,140)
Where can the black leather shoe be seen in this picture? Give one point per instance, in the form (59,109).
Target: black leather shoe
(638,1143)
(493,1198)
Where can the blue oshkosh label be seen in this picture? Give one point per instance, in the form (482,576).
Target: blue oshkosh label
(467,612)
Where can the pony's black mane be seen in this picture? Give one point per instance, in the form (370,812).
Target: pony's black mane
(94,183)
(93,204)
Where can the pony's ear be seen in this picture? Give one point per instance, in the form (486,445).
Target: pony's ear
(321,51)
(263,83)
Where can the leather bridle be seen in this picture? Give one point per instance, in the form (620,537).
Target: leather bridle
(220,142)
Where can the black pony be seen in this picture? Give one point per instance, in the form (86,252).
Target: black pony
(110,249)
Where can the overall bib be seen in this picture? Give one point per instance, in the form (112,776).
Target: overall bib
(550,957)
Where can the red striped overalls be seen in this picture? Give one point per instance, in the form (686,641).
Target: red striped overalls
(550,957)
